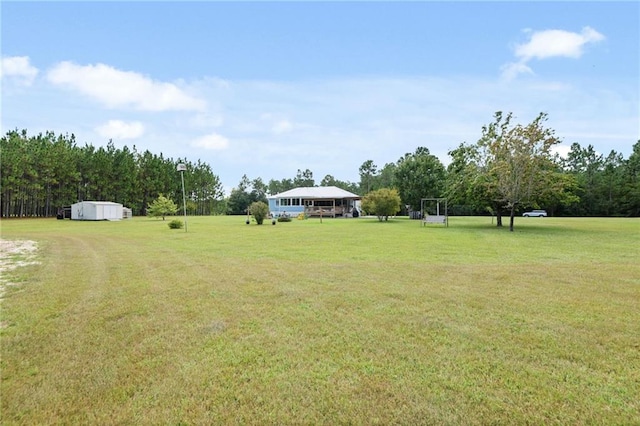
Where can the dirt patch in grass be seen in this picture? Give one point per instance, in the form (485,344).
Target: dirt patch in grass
(14,254)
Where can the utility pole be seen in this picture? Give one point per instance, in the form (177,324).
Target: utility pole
(181,168)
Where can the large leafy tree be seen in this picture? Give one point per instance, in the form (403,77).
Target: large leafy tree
(386,177)
(464,194)
(519,167)
(419,175)
(247,192)
(470,188)
(238,201)
(560,194)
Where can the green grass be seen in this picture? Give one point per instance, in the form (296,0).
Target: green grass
(339,322)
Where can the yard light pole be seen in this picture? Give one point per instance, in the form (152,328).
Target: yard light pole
(181,168)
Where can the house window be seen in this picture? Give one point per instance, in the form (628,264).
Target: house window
(295,201)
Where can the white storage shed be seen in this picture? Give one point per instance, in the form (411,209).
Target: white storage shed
(96,210)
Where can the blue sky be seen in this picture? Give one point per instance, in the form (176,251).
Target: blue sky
(267,88)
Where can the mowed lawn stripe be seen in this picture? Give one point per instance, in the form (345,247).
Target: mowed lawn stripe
(340,322)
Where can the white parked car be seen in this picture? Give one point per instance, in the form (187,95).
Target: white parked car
(535,213)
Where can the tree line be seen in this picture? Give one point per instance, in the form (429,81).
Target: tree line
(43,173)
(510,168)
(513,167)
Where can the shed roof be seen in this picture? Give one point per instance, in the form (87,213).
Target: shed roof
(317,192)
(107,203)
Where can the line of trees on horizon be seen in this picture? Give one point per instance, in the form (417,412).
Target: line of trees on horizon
(510,168)
(42,173)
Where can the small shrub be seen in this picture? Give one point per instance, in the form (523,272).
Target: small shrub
(175,224)
(284,219)
(302,216)
(383,203)
(162,207)
(260,211)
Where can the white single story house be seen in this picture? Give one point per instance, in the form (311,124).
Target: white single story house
(328,201)
(96,210)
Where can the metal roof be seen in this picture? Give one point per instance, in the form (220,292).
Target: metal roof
(102,203)
(317,192)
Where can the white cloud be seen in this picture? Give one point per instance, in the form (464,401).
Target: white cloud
(282,126)
(511,70)
(212,141)
(118,129)
(549,44)
(116,88)
(553,43)
(20,68)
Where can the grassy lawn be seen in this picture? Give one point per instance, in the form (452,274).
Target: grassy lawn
(340,322)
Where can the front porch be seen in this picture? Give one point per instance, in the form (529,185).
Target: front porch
(329,207)
(327,211)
